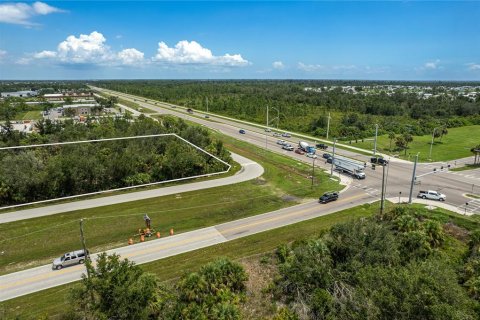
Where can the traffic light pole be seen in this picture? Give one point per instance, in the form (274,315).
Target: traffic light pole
(413,179)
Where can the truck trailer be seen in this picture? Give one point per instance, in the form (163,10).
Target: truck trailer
(352,167)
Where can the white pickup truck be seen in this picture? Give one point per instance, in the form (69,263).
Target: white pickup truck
(433,195)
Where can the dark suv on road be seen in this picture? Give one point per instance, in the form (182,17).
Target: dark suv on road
(328,196)
(379,161)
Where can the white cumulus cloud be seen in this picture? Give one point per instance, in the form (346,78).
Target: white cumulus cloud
(432,65)
(192,52)
(310,67)
(21,13)
(87,48)
(45,54)
(473,66)
(3,54)
(278,65)
(90,49)
(130,56)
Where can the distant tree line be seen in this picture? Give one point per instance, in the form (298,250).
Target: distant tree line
(353,115)
(41,173)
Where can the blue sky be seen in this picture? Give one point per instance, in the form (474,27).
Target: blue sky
(309,40)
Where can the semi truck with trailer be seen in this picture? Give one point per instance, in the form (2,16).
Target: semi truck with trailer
(352,167)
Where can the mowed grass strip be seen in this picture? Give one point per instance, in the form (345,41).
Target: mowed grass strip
(34,242)
(53,302)
(455,145)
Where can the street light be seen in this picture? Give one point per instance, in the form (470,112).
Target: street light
(431,144)
(333,156)
(413,178)
(375,143)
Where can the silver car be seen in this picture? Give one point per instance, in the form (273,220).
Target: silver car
(68,259)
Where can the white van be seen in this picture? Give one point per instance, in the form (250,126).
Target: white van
(68,259)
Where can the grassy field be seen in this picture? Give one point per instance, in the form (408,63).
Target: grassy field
(135,106)
(29,115)
(54,301)
(37,241)
(467,167)
(456,144)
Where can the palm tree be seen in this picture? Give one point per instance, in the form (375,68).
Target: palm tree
(408,138)
(391,136)
(443,132)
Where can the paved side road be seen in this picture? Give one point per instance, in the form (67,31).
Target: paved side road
(40,278)
(250,170)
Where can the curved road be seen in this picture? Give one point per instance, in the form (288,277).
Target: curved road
(250,170)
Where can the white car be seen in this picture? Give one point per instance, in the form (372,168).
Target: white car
(276,134)
(311,155)
(281,142)
(268,130)
(432,195)
(287,147)
(286,135)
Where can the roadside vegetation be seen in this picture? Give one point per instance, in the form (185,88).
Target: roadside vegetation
(353,116)
(285,182)
(410,263)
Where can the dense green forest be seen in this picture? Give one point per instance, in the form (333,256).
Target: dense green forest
(41,173)
(405,264)
(353,115)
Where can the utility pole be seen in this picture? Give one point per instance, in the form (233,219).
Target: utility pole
(431,144)
(266,138)
(328,124)
(333,157)
(87,257)
(413,179)
(382,201)
(207,104)
(375,143)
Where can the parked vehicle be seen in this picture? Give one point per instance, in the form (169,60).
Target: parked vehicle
(281,142)
(322,146)
(69,259)
(287,147)
(381,161)
(352,167)
(328,197)
(432,195)
(286,135)
(306,147)
(299,151)
(311,155)
(326,155)
(189,110)
(241,131)
(207,116)
(268,130)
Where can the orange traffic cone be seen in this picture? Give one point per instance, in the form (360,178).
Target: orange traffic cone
(142,238)
(171,232)
(158,234)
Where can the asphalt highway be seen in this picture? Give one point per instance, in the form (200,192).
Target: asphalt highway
(398,173)
(31,280)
